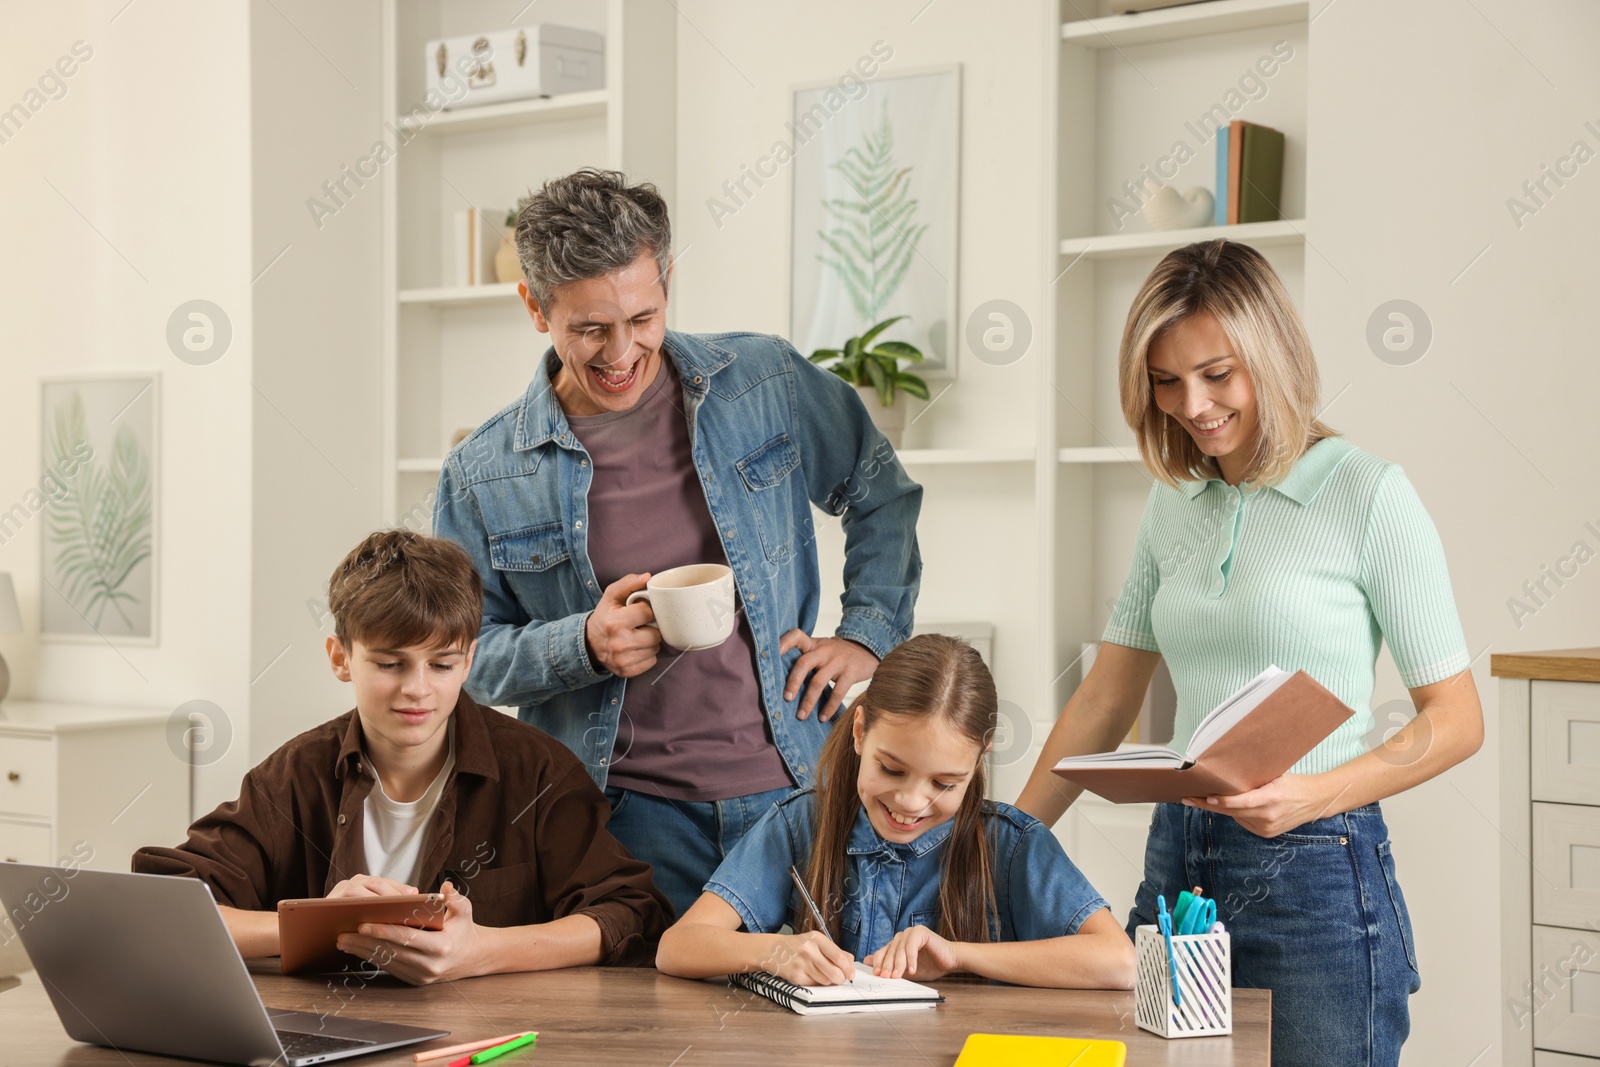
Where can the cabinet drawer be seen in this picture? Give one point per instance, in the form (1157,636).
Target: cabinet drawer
(1566,742)
(28,776)
(1566,863)
(1566,990)
(26,842)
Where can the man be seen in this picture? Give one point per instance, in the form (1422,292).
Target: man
(636,449)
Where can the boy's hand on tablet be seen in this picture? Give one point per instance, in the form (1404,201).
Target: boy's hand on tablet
(916,952)
(367,885)
(811,959)
(423,957)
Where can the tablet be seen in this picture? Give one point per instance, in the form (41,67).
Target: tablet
(308,930)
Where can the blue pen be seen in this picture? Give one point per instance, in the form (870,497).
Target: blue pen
(1164,921)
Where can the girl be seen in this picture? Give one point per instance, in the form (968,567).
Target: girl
(1270,539)
(906,860)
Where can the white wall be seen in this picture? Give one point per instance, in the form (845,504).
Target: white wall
(315,467)
(121,200)
(735,78)
(190,140)
(1425,119)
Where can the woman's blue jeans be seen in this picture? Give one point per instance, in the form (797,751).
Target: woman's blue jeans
(1315,915)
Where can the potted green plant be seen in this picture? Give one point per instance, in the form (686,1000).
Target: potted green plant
(873,367)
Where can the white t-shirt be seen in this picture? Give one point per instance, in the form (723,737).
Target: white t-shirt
(394,832)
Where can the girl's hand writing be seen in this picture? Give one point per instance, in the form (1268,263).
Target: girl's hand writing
(810,959)
(916,952)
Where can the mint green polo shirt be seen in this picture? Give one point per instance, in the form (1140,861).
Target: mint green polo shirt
(1311,574)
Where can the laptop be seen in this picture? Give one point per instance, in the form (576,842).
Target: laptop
(145,962)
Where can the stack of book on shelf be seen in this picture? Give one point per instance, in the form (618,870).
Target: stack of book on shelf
(1249,173)
(475,240)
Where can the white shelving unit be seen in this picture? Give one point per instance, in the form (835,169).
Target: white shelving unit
(519,113)
(1175,23)
(1128,89)
(1260,234)
(453,355)
(462,295)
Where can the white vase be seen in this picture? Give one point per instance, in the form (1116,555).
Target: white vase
(891,420)
(1167,210)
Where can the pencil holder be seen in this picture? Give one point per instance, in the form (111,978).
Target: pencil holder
(1205,978)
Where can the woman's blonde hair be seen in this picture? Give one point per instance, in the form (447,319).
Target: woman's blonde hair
(1238,287)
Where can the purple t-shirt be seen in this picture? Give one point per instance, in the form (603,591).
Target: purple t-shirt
(692,726)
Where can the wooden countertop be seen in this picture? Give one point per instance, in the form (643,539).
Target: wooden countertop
(593,1015)
(1557,665)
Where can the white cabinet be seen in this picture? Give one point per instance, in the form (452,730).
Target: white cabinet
(1550,857)
(87,782)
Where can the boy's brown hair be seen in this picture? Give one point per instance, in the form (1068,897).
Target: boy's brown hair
(404,589)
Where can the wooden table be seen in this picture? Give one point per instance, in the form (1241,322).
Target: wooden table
(595,1016)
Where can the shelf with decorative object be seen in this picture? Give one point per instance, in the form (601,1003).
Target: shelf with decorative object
(1136,101)
(515,113)
(452,354)
(1153,242)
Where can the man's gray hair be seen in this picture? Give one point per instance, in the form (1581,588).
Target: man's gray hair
(588,224)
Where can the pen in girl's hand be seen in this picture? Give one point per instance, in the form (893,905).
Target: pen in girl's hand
(816,912)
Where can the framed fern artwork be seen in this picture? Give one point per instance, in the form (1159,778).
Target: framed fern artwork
(874,212)
(98,449)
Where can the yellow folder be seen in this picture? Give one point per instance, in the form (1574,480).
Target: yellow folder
(1013,1050)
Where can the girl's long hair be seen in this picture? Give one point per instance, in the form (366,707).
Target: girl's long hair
(929,677)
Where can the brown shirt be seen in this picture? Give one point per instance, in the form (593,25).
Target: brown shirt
(520,830)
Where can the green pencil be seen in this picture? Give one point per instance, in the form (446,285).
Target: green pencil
(500,1050)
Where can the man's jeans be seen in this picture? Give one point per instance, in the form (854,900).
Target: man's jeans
(684,840)
(1315,915)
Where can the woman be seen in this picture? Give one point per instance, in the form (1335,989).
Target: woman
(1270,539)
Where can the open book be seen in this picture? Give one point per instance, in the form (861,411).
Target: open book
(1246,741)
(867,992)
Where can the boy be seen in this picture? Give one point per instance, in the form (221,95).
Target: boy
(422,789)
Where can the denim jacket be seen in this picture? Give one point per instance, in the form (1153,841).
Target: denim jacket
(891,886)
(771,435)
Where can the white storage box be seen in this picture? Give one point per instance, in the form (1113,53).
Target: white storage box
(1205,979)
(516,64)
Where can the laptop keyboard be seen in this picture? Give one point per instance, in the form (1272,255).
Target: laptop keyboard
(297,1045)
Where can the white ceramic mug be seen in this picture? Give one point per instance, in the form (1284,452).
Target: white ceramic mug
(693,605)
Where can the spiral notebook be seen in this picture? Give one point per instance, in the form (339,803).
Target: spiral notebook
(867,992)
